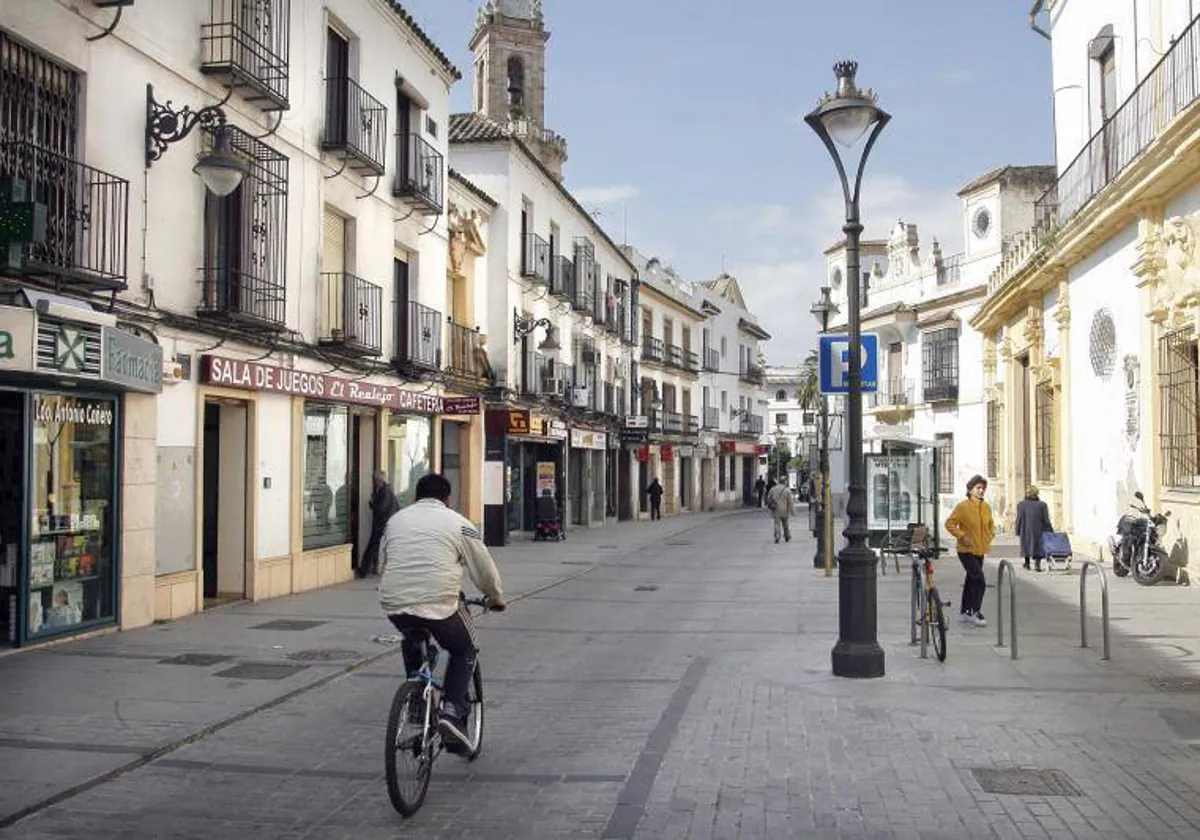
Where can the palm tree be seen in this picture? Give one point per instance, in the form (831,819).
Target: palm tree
(808,391)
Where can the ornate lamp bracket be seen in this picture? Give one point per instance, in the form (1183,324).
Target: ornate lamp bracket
(166,125)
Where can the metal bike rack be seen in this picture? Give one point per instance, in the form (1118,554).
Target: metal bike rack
(1083,570)
(917,605)
(1012,605)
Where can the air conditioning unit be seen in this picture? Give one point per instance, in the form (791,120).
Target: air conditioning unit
(172,372)
(553,386)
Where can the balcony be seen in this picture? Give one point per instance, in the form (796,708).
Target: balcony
(621,408)
(941,390)
(351,314)
(892,400)
(712,360)
(691,425)
(535,259)
(85,237)
(750,424)
(584,296)
(752,373)
(245,45)
(556,379)
(652,350)
(420,174)
(949,270)
(562,282)
(712,417)
(674,356)
(533,368)
(691,361)
(672,423)
(238,297)
(355,124)
(422,339)
(465,358)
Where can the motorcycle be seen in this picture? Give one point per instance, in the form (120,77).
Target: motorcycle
(1135,547)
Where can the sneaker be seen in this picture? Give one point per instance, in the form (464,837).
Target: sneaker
(966,618)
(454,731)
(978,620)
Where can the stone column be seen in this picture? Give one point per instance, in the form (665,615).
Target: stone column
(1062,316)
(139,495)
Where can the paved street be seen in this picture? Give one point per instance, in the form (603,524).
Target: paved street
(650,681)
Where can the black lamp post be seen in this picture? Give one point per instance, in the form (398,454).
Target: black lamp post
(844,118)
(522,329)
(823,310)
(221,170)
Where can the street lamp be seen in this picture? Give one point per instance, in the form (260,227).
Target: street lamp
(522,329)
(823,310)
(844,118)
(221,170)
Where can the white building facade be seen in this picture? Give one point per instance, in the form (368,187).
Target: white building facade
(235,411)
(560,299)
(788,422)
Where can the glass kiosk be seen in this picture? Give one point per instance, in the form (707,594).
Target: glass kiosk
(902,487)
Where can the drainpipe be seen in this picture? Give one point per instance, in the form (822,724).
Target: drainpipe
(1033,24)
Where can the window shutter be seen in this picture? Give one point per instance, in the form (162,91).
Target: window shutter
(333,253)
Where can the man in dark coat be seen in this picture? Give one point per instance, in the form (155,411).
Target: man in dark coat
(760,489)
(383,506)
(1033,520)
(655,492)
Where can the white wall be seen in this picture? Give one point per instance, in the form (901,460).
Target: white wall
(274,462)
(231,506)
(1105,471)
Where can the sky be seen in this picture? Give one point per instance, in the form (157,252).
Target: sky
(684,131)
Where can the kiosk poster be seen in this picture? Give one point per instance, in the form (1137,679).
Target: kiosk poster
(893,495)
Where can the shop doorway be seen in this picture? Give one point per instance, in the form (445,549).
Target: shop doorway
(12,502)
(225,468)
(624,497)
(361,480)
(706,502)
(452,464)
(748,465)
(576,493)
(685,483)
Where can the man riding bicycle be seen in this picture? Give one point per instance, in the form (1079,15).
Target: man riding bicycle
(423,551)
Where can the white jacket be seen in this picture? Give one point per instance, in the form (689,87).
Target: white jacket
(423,551)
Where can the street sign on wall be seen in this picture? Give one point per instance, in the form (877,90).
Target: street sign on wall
(834,358)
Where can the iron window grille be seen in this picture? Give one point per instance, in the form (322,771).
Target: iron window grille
(939,364)
(993,438)
(563,280)
(356,124)
(420,173)
(423,346)
(945,442)
(351,314)
(246,44)
(244,273)
(1179,396)
(1043,400)
(535,259)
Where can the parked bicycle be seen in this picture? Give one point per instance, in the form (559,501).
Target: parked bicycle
(929,606)
(413,742)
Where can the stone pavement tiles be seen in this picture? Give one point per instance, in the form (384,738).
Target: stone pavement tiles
(681,689)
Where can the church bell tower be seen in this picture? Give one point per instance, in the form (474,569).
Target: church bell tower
(509,44)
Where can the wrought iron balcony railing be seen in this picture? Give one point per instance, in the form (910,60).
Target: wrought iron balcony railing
(712,359)
(752,373)
(672,422)
(691,424)
(949,270)
(465,357)
(535,259)
(85,239)
(533,368)
(712,417)
(652,350)
(245,44)
(674,355)
(691,360)
(941,390)
(751,424)
(355,123)
(351,314)
(422,344)
(240,297)
(562,283)
(584,297)
(420,174)
(891,394)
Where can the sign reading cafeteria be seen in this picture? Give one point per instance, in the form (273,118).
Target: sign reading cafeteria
(251,376)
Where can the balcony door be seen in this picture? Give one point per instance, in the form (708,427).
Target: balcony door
(404,148)
(403,300)
(1108,107)
(895,371)
(337,92)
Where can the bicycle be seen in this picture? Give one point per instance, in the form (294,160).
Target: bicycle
(416,705)
(932,617)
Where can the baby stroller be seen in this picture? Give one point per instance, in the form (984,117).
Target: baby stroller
(1057,548)
(547,526)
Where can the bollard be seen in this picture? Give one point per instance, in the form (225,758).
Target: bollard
(1083,570)
(1012,605)
(915,603)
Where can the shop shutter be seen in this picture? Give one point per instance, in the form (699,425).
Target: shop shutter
(333,256)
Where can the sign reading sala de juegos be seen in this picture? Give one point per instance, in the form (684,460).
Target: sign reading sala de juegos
(251,376)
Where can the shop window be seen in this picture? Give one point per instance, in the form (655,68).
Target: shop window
(721,473)
(945,442)
(326,473)
(1044,408)
(939,364)
(71,569)
(408,444)
(1179,389)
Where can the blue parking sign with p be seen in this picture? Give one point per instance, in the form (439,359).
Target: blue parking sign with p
(834,357)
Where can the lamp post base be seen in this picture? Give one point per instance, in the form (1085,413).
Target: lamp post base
(819,554)
(857,660)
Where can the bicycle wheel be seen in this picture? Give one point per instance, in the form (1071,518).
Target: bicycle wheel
(475,725)
(937,622)
(408,750)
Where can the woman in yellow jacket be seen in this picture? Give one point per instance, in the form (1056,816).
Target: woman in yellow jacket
(971,524)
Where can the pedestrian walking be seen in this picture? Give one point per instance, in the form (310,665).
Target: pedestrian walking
(972,526)
(760,490)
(383,505)
(782,505)
(1033,520)
(655,492)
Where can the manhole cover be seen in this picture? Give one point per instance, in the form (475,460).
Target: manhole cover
(287,624)
(647,588)
(1176,685)
(322,655)
(199,660)
(1025,782)
(260,671)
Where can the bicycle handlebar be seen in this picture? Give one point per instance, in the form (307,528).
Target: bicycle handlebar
(484,603)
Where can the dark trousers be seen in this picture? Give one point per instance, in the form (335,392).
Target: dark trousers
(760,497)
(975,585)
(656,508)
(456,635)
